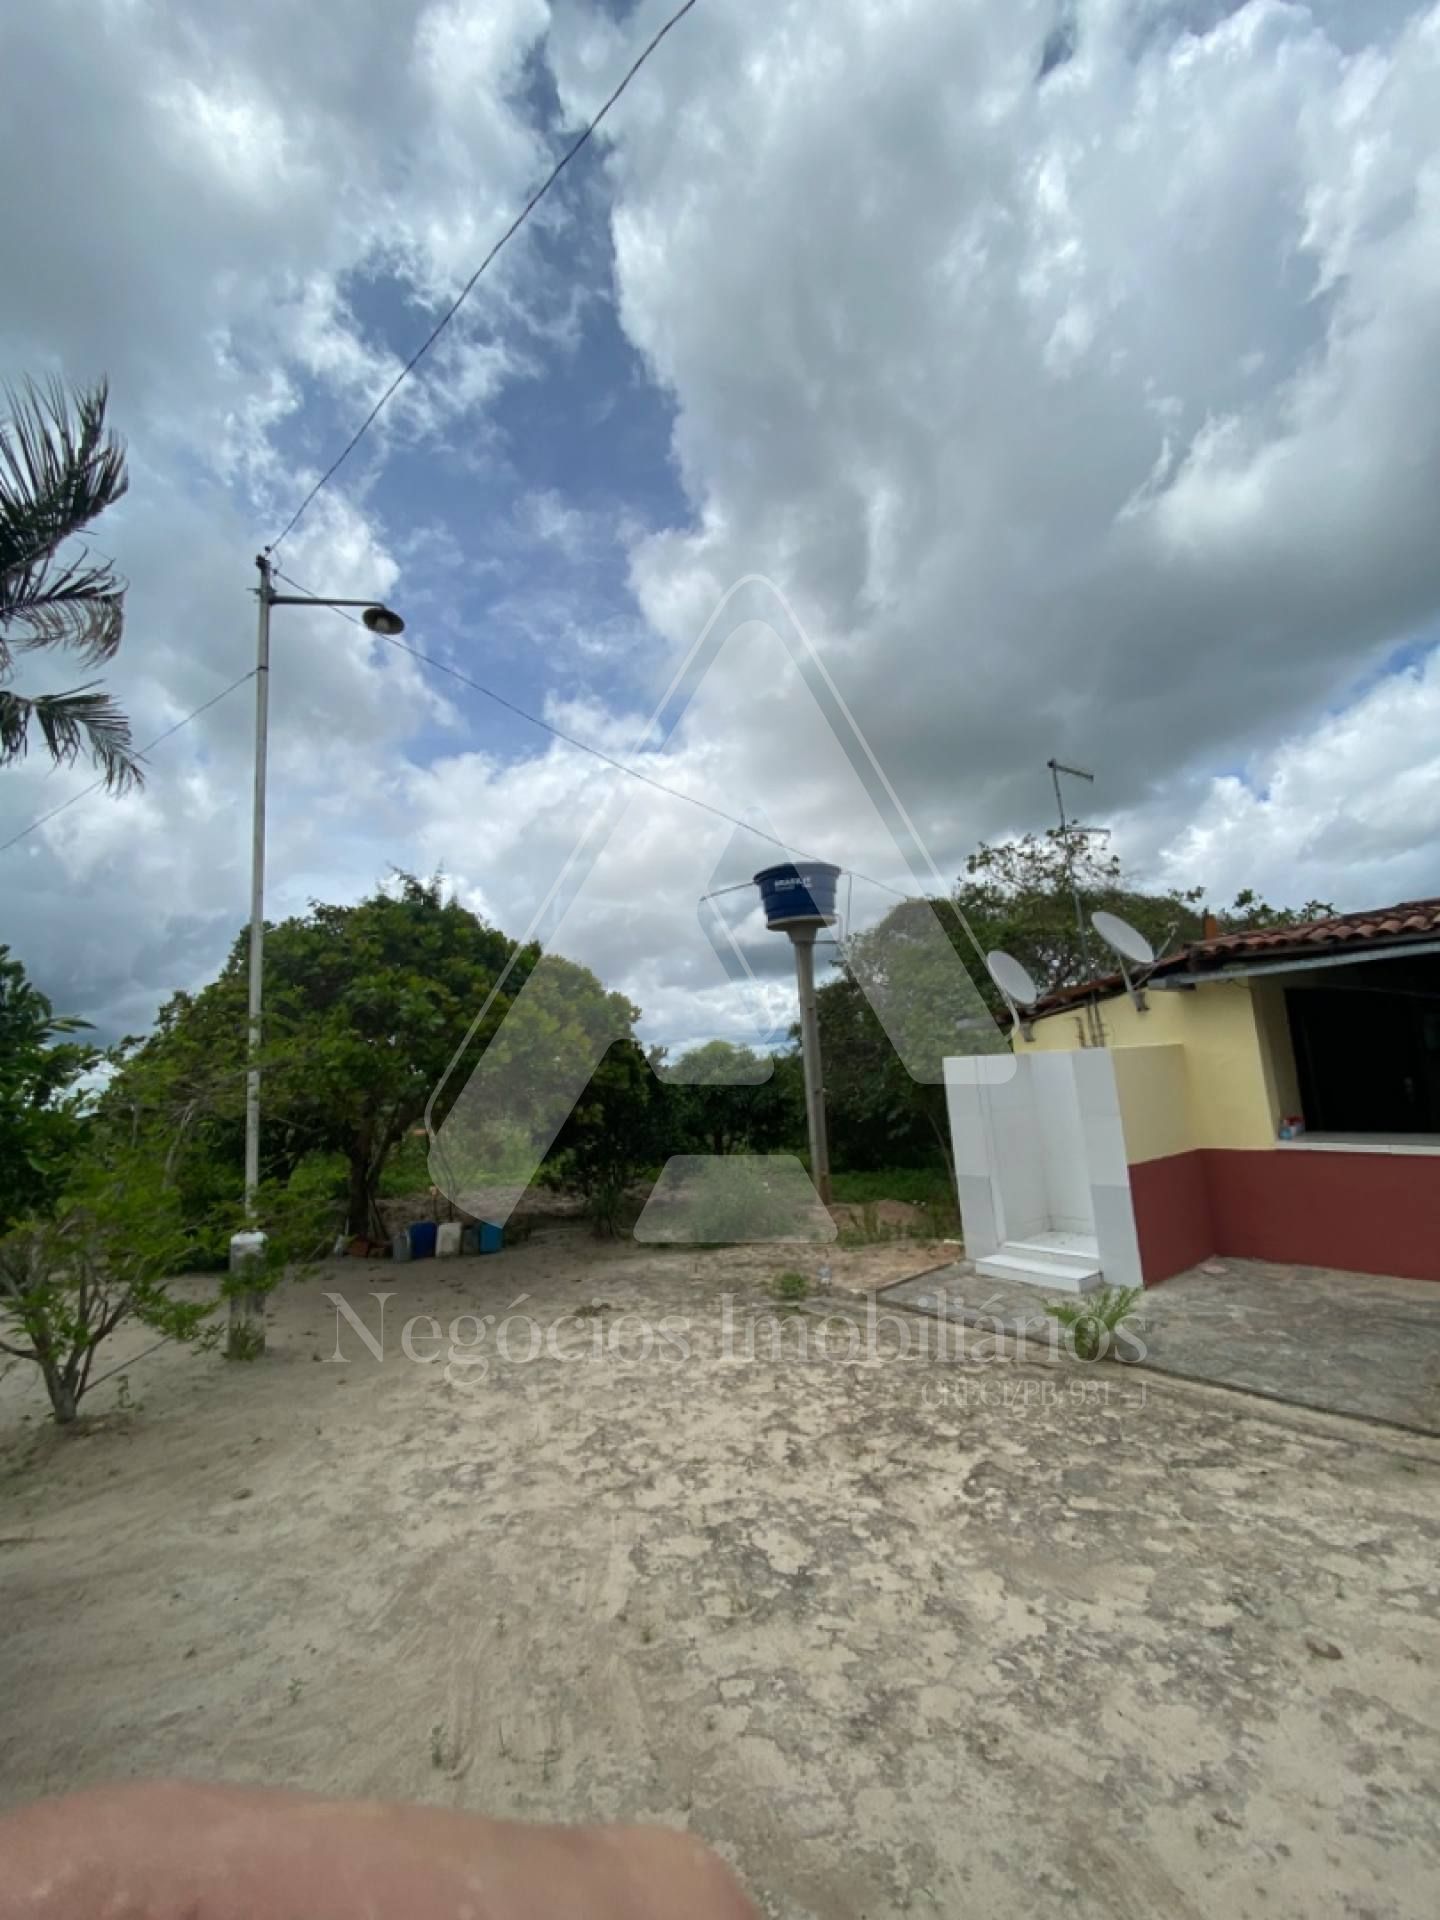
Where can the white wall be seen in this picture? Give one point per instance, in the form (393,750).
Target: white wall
(1038,1148)
(1055,1104)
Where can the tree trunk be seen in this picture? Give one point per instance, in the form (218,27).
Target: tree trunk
(63,1397)
(358,1208)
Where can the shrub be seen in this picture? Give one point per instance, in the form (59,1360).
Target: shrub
(605,1208)
(731,1202)
(1093,1320)
(67,1283)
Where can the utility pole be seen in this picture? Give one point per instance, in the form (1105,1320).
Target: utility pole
(257,889)
(246,1334)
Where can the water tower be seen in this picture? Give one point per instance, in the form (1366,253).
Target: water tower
(798,900)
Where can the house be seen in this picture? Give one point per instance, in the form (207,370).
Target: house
(1272,1094)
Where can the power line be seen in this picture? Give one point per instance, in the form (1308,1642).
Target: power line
(443,322)
(95,785)
(584,746)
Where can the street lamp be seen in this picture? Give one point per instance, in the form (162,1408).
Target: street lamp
(247,1321)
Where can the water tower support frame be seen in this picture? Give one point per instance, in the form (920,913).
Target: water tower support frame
(803,941)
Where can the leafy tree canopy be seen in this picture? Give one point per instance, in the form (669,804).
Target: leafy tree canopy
(1016,895)
(41,1116)
(364,1008)
(723,1098)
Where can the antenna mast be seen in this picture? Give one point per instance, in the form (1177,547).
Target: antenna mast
(1068,829)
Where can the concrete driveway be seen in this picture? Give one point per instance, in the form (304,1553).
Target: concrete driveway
(1350,1343)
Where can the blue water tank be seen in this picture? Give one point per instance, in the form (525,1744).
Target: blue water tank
(802,895)
(422,1239)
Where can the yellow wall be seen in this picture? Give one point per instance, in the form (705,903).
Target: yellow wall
(1235,1072)
(1154,1095)
(1276,1052)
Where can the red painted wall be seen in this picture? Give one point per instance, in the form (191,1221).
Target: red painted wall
(1368,1212)
(1173,1223)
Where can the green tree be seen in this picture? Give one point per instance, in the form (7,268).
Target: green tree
(60,468)
(1016,895)
(615,1131)
(877,1113)
(100,1258)
(722,1098)
(365,1007)
(42,1120)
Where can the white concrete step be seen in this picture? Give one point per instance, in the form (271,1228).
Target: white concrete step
(1078,1250)
(1036,1271)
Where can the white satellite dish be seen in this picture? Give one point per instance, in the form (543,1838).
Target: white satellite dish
(1124,939)
(1130,944)
(1015,983)
(1011,978)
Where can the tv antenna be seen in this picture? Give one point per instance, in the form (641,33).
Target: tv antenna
(1130,946)
(1014,982)
(1070,830)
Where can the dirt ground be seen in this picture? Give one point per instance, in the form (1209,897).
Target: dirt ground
(910,1635)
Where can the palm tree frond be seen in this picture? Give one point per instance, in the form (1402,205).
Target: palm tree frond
(59,468)
(70,724)
(90,623)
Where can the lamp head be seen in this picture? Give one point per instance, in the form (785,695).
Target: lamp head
(383,620)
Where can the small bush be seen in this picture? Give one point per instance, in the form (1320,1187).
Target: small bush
(921,1186)
(730,1204)
(1093,1320)
(790,1285)
(605,1209)
(69,1281)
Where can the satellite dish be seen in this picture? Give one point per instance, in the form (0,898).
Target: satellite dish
(1011,978)
(1131,945)
(1126,940)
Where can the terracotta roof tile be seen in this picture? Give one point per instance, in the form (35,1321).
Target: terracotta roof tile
(1409,920)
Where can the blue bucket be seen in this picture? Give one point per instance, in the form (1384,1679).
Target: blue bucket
(422,1240)
(798,895)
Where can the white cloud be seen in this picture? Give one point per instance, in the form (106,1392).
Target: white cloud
(1342,812)
(1091,416)
(1086,417)
(194,222)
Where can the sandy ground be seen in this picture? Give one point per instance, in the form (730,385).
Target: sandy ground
(919,1636)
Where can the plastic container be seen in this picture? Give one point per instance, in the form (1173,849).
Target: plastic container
(470,1240)
(246,1250)
(400,1247)
(422,1240)
(798,896)
(492,1239)
(447,1240)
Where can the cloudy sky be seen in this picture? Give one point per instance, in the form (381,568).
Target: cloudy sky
(1068,366)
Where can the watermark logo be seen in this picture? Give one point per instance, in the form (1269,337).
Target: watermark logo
(534,1048)
(470,1347)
